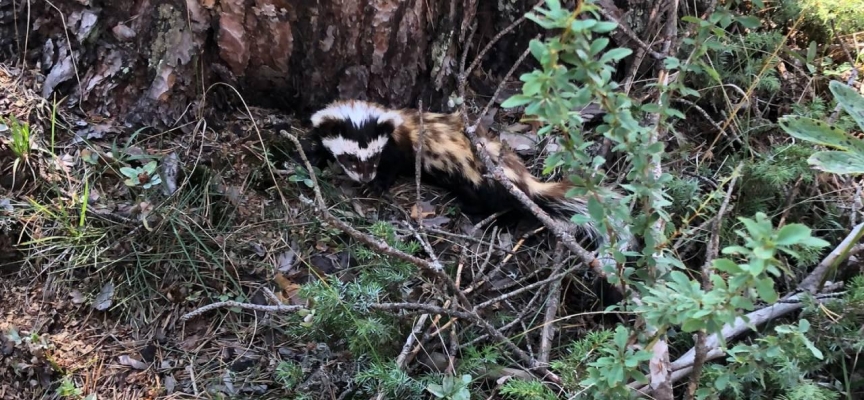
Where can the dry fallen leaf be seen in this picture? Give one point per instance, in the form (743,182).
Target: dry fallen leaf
(427,210)
(285,260)
(76,296)
(105,297)
(131,362)
(289,290)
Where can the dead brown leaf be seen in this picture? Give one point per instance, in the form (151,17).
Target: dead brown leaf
(426,210)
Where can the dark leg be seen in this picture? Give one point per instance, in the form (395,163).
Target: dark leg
(384,179)
(393,163)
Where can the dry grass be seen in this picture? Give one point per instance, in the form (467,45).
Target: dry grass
(77,233)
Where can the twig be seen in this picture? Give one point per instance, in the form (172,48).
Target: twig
(418,170)
(548,331)
(711,252)
(630,34)
(661,386)
(790,198)
(708,118)
(428,266)
(683,365)
(473,317)
(382,247)
(852,75)
(816,279)
(280,308)
(789,303)
(498,174)
(427,247)
(714,243)
(402,359)
(485,278)
(523,289)
(495,40)
(470,238)
(495,95)
(504,328)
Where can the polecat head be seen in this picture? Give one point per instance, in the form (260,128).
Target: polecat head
(355,132)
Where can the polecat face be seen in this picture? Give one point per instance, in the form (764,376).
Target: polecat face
(355,133)
(358,160)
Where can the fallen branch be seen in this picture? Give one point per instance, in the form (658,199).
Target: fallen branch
(789,303)
(684,364)
(434,268)
(279,308)
(498,174)
(711,253)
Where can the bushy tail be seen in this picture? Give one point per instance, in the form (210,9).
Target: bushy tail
(552,198)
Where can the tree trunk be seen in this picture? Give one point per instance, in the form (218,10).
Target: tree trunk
(147,61)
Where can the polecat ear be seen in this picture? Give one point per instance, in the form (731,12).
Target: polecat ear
(385,128)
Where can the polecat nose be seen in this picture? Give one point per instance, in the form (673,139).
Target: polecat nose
(366,178)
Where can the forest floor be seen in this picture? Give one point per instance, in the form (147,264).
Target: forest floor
(97,271)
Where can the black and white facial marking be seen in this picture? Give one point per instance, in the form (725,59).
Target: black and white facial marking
(355,133)
(359,162)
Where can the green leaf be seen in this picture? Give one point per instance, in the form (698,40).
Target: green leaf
(792,234)
(692,19)
(532,87)
(811,53)
(595,208)
(672,63)
(436,390)
(675,113)
(150,167)
(819,132)
(838,162)
(516,100)
(582,24)
(851,100)
(129,172)
(598,45)
(604,27)
(615,54)
(726,265)
(686,91)
(692,325)
(537,49)
(765,288)
(712,73)
(651,108)
(749,22)
(816,352)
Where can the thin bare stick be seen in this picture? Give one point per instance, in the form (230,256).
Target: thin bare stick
(280,308)
(524,289)
(853,75)
(497,173)
(813,282)
(321,208)
(418,162)
(789,303)
(630,34)
(473,317)
(501,86)
(711,252)
(529,308)
(683,365)
(661,385)
(430,267)
(548,331)
(402,359)
(498,37)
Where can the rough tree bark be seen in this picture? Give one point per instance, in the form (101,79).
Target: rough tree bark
(147,61)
